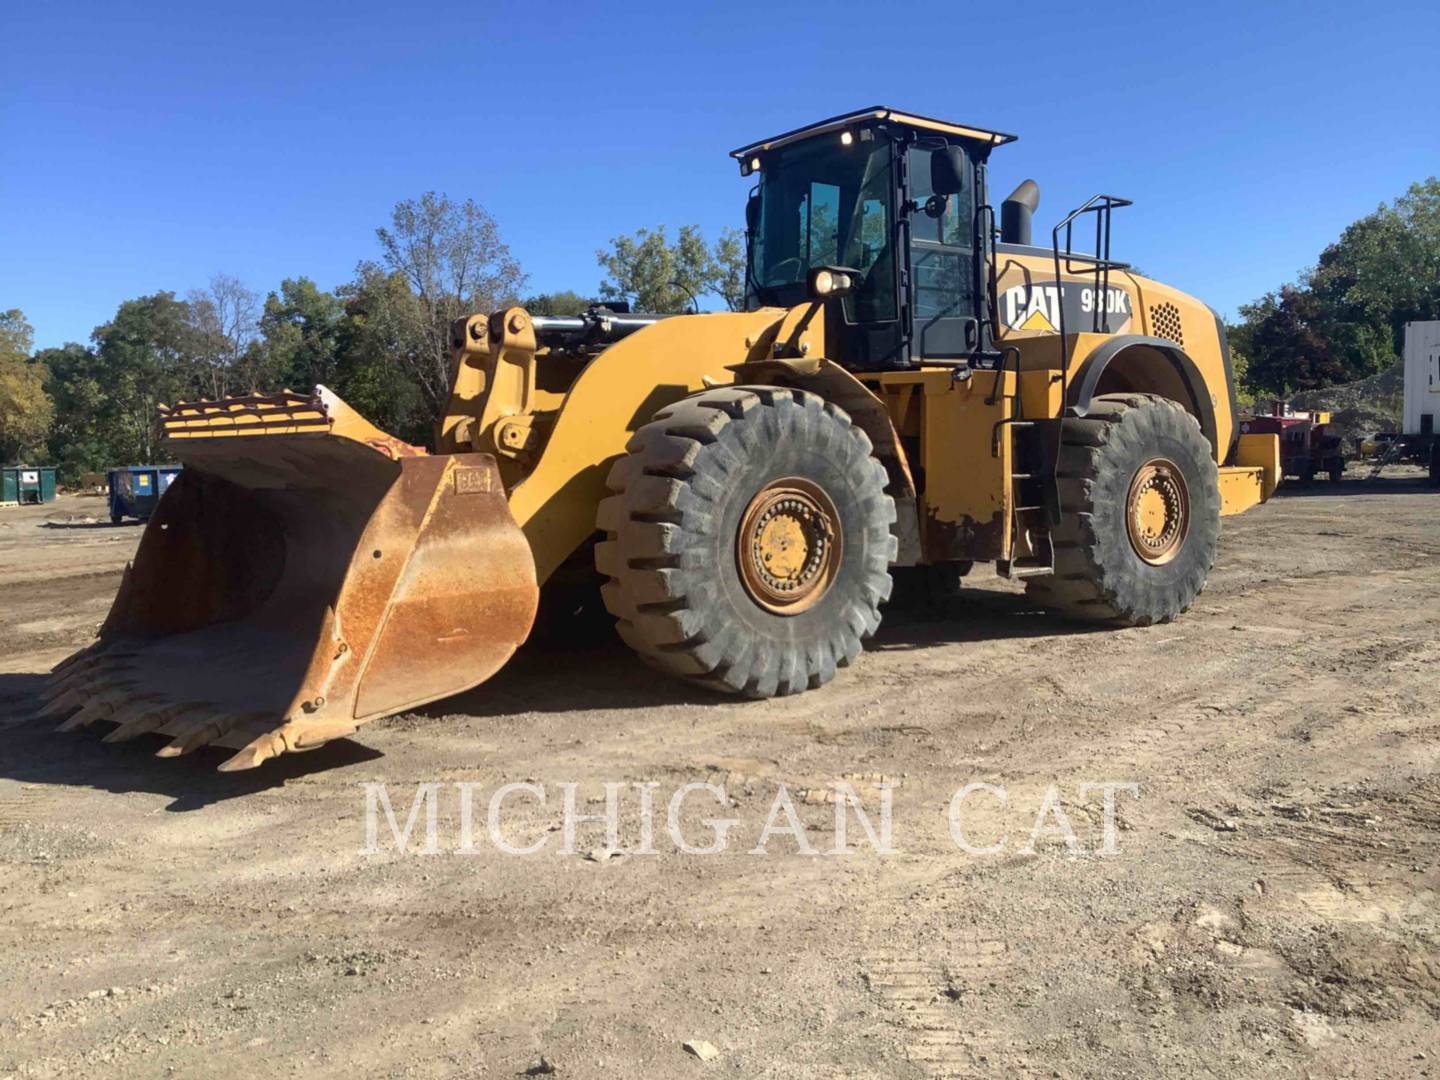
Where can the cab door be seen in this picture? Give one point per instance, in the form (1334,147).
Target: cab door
(942,290)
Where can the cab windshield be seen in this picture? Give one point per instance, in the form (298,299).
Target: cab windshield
(823,203)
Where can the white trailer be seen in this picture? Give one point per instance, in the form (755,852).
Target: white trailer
(1420,435)
(1422,378)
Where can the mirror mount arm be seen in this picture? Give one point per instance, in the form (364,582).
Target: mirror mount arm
(934,206)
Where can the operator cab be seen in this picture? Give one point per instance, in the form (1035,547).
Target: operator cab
(894,206)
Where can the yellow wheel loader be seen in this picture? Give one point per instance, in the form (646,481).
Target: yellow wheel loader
(913,384)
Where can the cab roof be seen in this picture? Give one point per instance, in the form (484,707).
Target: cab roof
(874,113)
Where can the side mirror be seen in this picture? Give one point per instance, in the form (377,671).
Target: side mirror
(947,170)
(752,213)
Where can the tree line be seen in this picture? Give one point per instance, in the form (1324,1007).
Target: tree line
(1344,318)
(381,340)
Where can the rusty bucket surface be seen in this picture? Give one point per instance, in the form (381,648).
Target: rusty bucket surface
(304,574)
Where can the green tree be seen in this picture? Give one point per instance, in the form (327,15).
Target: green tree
(303,330)
(729,257)
(1285,343)
(1383,272)
(1245,390)
(16,336)
(379,348)
(223,319)
(26,411)
(1345,318)
(652,274)
(146,356)
(451,257)
(564,302)
(81,436)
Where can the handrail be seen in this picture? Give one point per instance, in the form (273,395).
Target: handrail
(1101,206)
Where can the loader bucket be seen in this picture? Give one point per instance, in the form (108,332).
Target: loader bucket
(304,574)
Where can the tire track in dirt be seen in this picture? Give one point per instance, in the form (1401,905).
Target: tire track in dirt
(920,996)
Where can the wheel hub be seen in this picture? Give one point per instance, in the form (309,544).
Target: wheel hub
(789,545)
(1157,511)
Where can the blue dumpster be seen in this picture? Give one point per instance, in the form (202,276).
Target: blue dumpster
(135,489)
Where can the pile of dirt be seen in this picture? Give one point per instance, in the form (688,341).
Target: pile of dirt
(1359,408)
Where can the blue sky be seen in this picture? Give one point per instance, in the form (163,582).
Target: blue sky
(149,146)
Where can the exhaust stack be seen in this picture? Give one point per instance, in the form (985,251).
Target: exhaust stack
(1017,211)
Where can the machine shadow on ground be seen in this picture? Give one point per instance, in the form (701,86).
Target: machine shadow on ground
(1359,486)
(976,614)
(37,754)
(587,668)
(89,524)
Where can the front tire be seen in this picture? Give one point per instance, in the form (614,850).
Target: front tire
(1140,514)
(748,540)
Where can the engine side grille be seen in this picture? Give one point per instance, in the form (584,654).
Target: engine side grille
(1165,322)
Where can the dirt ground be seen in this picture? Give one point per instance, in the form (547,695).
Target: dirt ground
(1271,908)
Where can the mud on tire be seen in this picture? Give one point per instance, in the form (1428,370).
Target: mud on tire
(670,550)
(1099,574)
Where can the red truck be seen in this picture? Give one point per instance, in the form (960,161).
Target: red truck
(1308,444)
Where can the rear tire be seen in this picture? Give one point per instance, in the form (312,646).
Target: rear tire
(1136,475)
(740,474)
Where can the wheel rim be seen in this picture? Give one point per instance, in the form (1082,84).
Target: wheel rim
(1157,511)
(789,545)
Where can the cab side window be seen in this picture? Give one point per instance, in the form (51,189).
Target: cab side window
(952,227)
(941,256)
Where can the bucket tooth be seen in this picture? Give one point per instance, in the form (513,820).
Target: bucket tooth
(183,724)
(83,697)
(256,752)
(202,732)
(79,676)
(96,674)
(87,653)
(91,654)
(182,721)
(131,729)
(243,734)
(311,737)
(88,714)
(119,694)
(133,707)
(61,678)
(91,689)
(94,654)
(62,704)
(48,695)
(154,718)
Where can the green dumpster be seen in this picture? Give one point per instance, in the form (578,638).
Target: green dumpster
(27,484)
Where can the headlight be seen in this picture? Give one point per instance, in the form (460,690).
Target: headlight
(828,281)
